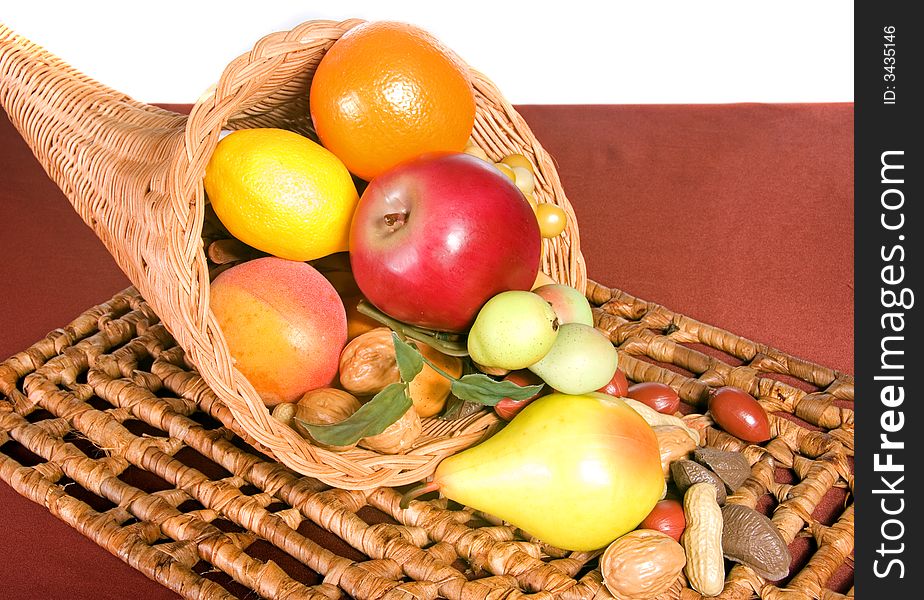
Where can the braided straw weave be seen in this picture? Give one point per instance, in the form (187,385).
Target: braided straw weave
(104,423)
(134,174)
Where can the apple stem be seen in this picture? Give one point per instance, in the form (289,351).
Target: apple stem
(392,219)
(418,491)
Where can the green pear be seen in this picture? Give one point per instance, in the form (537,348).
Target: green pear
(570,305)
(513,330)
(581,360)
(575,471)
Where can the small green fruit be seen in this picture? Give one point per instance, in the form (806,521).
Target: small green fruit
(569,304)
(512,331)
(582,360)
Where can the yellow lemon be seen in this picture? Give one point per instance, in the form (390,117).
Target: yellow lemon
(281,193)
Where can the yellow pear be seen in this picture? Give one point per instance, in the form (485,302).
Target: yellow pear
(575,471)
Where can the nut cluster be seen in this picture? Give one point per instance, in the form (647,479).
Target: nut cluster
(708,525)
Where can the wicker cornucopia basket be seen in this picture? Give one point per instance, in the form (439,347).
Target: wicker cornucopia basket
(134,174)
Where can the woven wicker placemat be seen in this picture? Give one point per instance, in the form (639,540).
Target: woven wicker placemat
(104,424)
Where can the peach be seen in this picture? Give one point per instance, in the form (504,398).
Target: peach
(284,324)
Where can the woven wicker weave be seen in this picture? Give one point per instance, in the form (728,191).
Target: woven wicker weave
(104,423)
(134,174)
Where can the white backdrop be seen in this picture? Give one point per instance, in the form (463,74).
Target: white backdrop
(574,51)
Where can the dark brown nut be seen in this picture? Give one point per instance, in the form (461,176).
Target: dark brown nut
(750,538)
(731,467)
(686,472)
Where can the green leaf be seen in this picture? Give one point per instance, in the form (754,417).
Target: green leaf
(456,408)
(372,418)
(480,388)
(410,361)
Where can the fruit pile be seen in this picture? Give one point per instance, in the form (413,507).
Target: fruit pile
(442,247)
(356,315)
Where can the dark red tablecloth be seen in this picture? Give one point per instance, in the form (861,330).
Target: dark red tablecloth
(740,216)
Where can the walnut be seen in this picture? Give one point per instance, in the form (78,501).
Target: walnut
(641,564)
(323,406)
(326,406)
(368,363)
(674,444)
(398,437)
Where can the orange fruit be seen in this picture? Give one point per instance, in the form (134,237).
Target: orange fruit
(357,323)
(429,390)
(387,92)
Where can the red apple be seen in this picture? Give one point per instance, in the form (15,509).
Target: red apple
(436,237)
